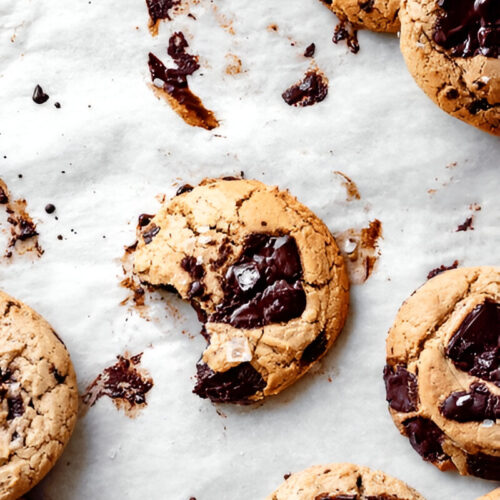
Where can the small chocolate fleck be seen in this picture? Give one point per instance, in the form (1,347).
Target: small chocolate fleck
(313,88)
(15,406)
(144,220)
(4,199)
(367,6)
(466,225)
(310,50)
(346,31)
(286,476)
(441,269)
(185,188)
(401,388)
(39,96)
(50,208)
(150,234)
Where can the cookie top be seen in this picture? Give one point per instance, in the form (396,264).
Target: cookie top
(264,274)
(451,47)
(343,482)
(39,397)
(443,371)
(492,495)
(374,15)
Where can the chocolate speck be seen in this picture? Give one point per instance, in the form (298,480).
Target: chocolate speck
(39,96)
(313,88)
(4,199)
(50,208)
(309,52)
(367,6)
(57,105)
(185,188)
(144,220)
(467,225)
(442,269)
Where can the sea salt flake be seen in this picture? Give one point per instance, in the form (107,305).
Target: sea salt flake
(238,350)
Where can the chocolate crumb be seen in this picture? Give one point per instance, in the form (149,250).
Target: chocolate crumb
(50,208)
(57,105)
(313,88)
(346,31)
(286,476)
(39,96)
(467,225)
(309,52)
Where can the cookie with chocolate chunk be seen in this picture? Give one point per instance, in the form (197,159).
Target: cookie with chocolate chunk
(443,371)
(374,15)
(38,397)
(452,49)
(343,482)
(264,274)
(492,495)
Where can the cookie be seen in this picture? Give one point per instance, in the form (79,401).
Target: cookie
(264,274)
(443,371)
(451,48)
(374,15)
(343,482)
(39,398)
(492,495)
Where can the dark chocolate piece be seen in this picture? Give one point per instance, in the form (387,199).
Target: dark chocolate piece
(185,188)
(466,225)
(233,386)
(311,89)
(50,208)
(150,234)
(475,346)
(475,405)
(15,406)
(159,9)
(425,437)
(4,199)
(263,285)
(346,31)
(315,349)
(469,27)
(309,52)
(401,388)
(484,466)
(367,6)
(144,220)
(478,105)
(441,269)
(39,96)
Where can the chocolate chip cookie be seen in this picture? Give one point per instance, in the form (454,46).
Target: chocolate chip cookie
(443,371)
(343,482)
(451,48)
(492,495)
(374,15)
(264,274)
(39,398)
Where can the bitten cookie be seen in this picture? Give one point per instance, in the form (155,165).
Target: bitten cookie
(451,48)
(39,398)
(492,495)
(374,15)
(264,274)
(443,371)
(343,482)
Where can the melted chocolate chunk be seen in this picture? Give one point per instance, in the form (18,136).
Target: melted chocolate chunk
(150,234)
(425,437)
(401,389)
(39,96)
(225,251)
(469,27)
(196,271)
(346,31)
(315,349)
(185,188)
(263,285)
(159,9)
(144,220)
(311,89)
(484,466)
(474,406)
(309,52)
(16,407)
(441,269)
(475,346)
(233,386)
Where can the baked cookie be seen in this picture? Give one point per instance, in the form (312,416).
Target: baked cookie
(39,398)
(451,48)
(262,271)
(343,482)
(492,495)
(443,371)
(374,15)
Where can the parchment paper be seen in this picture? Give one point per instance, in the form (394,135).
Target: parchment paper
(119,147)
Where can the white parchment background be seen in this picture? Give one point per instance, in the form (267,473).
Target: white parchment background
(119,147)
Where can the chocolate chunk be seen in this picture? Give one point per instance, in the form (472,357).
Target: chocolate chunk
(346,31)
(478,105)
(425,437)
(59,378)
(315,349)
(50,208)
(475,346)
(484,466)
(159,9)
(144,220)
(263,285)
(191,266)
(367,6)
(233,386)
(469,27)
(466,225)
(452,94)
(4,199)
(27,229)
(309,52)
(150,234)
(225,251)
(16,407)
(476,405)
(401,389)
(185,188)
(39,96)
(441,269)
(311,89)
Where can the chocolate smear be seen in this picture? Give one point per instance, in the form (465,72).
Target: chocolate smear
(172,85)
(311,89)
(401,389)
(475,346)
(346,31)
(441,269)
(124,382)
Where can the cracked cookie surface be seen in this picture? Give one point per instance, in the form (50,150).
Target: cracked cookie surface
(264,274)
(374,15)
(451,48)
(343,481)
(39,398)
(443,371)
